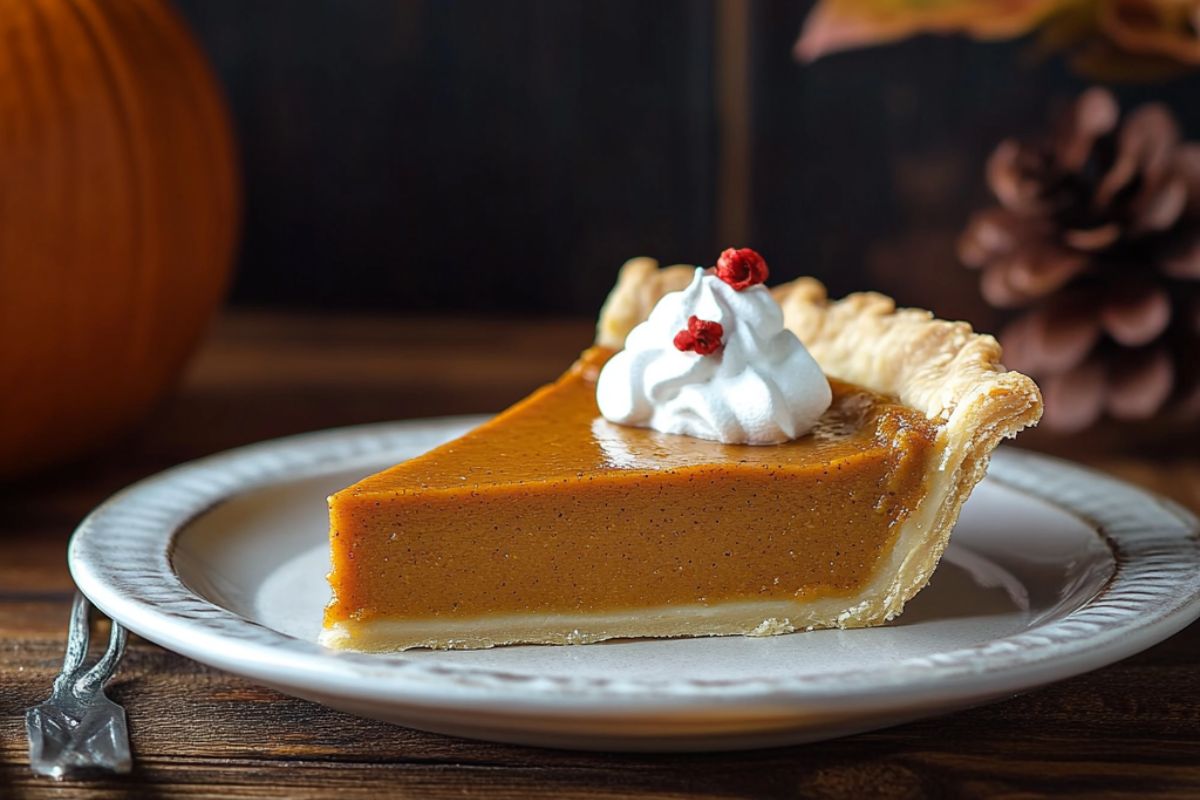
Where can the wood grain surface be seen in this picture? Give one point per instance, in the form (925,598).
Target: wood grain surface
(1129,730)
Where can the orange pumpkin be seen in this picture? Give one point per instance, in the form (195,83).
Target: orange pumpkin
(118,218)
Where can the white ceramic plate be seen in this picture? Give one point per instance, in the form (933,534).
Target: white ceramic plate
(1053,570)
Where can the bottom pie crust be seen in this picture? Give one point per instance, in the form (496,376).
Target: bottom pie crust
(745,618)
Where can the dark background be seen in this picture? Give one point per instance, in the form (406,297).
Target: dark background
(425,155)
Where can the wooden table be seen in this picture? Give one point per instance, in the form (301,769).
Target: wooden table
(1130,730)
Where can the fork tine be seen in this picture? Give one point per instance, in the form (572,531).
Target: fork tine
(95,678)
(79,636)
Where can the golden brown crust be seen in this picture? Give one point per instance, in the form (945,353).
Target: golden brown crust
(943,369)
(934,366)
(640,284)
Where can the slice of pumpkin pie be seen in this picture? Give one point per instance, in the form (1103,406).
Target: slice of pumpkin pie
(724,460)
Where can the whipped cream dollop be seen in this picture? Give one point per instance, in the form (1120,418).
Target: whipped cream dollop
(759,387)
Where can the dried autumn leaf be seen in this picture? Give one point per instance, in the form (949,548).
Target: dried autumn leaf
(1107,40)
(835,25)
(1168,28)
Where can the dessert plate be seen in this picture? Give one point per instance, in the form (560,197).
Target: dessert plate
(1053,570)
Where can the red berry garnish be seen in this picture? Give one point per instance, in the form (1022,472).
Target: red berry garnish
(741,268)
(702,337)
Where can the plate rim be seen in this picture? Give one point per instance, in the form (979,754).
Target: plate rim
(1154,592)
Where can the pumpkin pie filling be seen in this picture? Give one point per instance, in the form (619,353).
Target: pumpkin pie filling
(549,508)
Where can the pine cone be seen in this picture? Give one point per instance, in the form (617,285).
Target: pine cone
(1096,246)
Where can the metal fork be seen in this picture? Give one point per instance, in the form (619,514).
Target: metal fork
(78,730)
